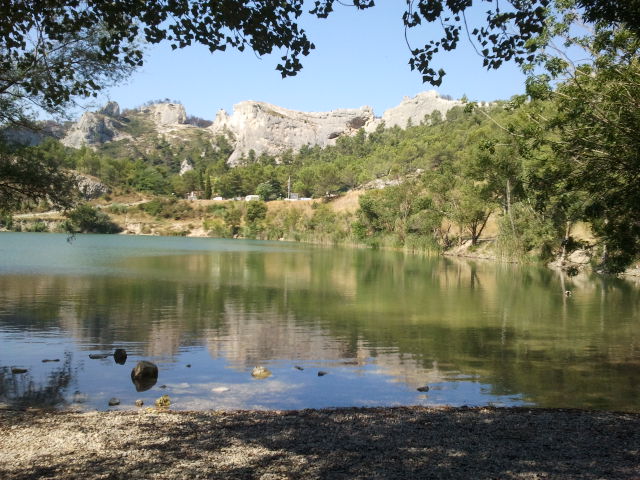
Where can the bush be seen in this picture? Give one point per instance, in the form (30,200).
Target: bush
(256,211)
(37,226)
(216,227)
(87,219)
(118,209)
(168,208)
(6,221)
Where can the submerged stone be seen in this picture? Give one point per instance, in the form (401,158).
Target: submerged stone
(120,356)
(260,372)
(98,356)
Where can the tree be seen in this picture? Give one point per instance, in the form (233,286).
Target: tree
(267,191)
(591,128)
(207,187)
(256,211)
(52,52)
(598,121)
(27,178)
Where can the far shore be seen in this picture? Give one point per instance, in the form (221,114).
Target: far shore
(346,443)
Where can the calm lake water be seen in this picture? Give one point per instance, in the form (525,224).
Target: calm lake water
(381,324)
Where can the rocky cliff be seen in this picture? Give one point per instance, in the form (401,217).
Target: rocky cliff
(257,126)
(108,124)
(165,114)
(266,128)
(95,128)
(414,110)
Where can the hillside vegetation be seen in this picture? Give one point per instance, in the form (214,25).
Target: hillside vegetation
(446,182)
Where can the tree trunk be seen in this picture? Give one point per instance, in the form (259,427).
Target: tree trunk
(513,228)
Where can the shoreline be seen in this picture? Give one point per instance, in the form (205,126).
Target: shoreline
(383,443)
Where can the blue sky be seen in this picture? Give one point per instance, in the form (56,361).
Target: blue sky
(360,59)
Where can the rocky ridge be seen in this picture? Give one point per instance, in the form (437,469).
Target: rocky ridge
(414,110)
(95,128)
(266,128)
(255,126)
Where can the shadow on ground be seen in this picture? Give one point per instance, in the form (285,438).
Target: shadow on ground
(385,443)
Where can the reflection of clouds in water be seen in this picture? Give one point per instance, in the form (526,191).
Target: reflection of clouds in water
(257,394)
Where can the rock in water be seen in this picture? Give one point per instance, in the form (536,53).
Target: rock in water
(17,371)
(120,356)
(163,402)
(114,401)
(322,373)
(139,403)
(298,367)
(260,372)
(47,360)
(423,389)
(98,356)
(144,375)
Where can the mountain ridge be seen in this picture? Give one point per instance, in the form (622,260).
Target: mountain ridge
(253,126)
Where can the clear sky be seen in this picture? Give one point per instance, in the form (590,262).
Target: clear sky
(361,58)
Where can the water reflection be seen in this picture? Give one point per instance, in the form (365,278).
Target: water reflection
(23,390)
(371,317)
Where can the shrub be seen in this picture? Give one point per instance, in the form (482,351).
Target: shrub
(216,227)
(168,208)
(118,209)
(87,219)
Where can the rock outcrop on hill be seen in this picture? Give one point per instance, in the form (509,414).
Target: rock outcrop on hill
(254,126)
(165,114)
(90,187)
(266,128)
(95,128)
(414,110)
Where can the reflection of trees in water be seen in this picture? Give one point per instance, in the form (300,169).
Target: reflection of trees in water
(22,390)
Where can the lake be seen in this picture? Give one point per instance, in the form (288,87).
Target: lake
(380,324)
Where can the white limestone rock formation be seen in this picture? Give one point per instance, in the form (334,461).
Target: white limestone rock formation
(90,187)
(111,109)
(166,114)
(185,166)
(414,110)
(266,128)
(92,129)
(95,128)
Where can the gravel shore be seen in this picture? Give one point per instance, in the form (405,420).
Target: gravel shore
(371,443)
